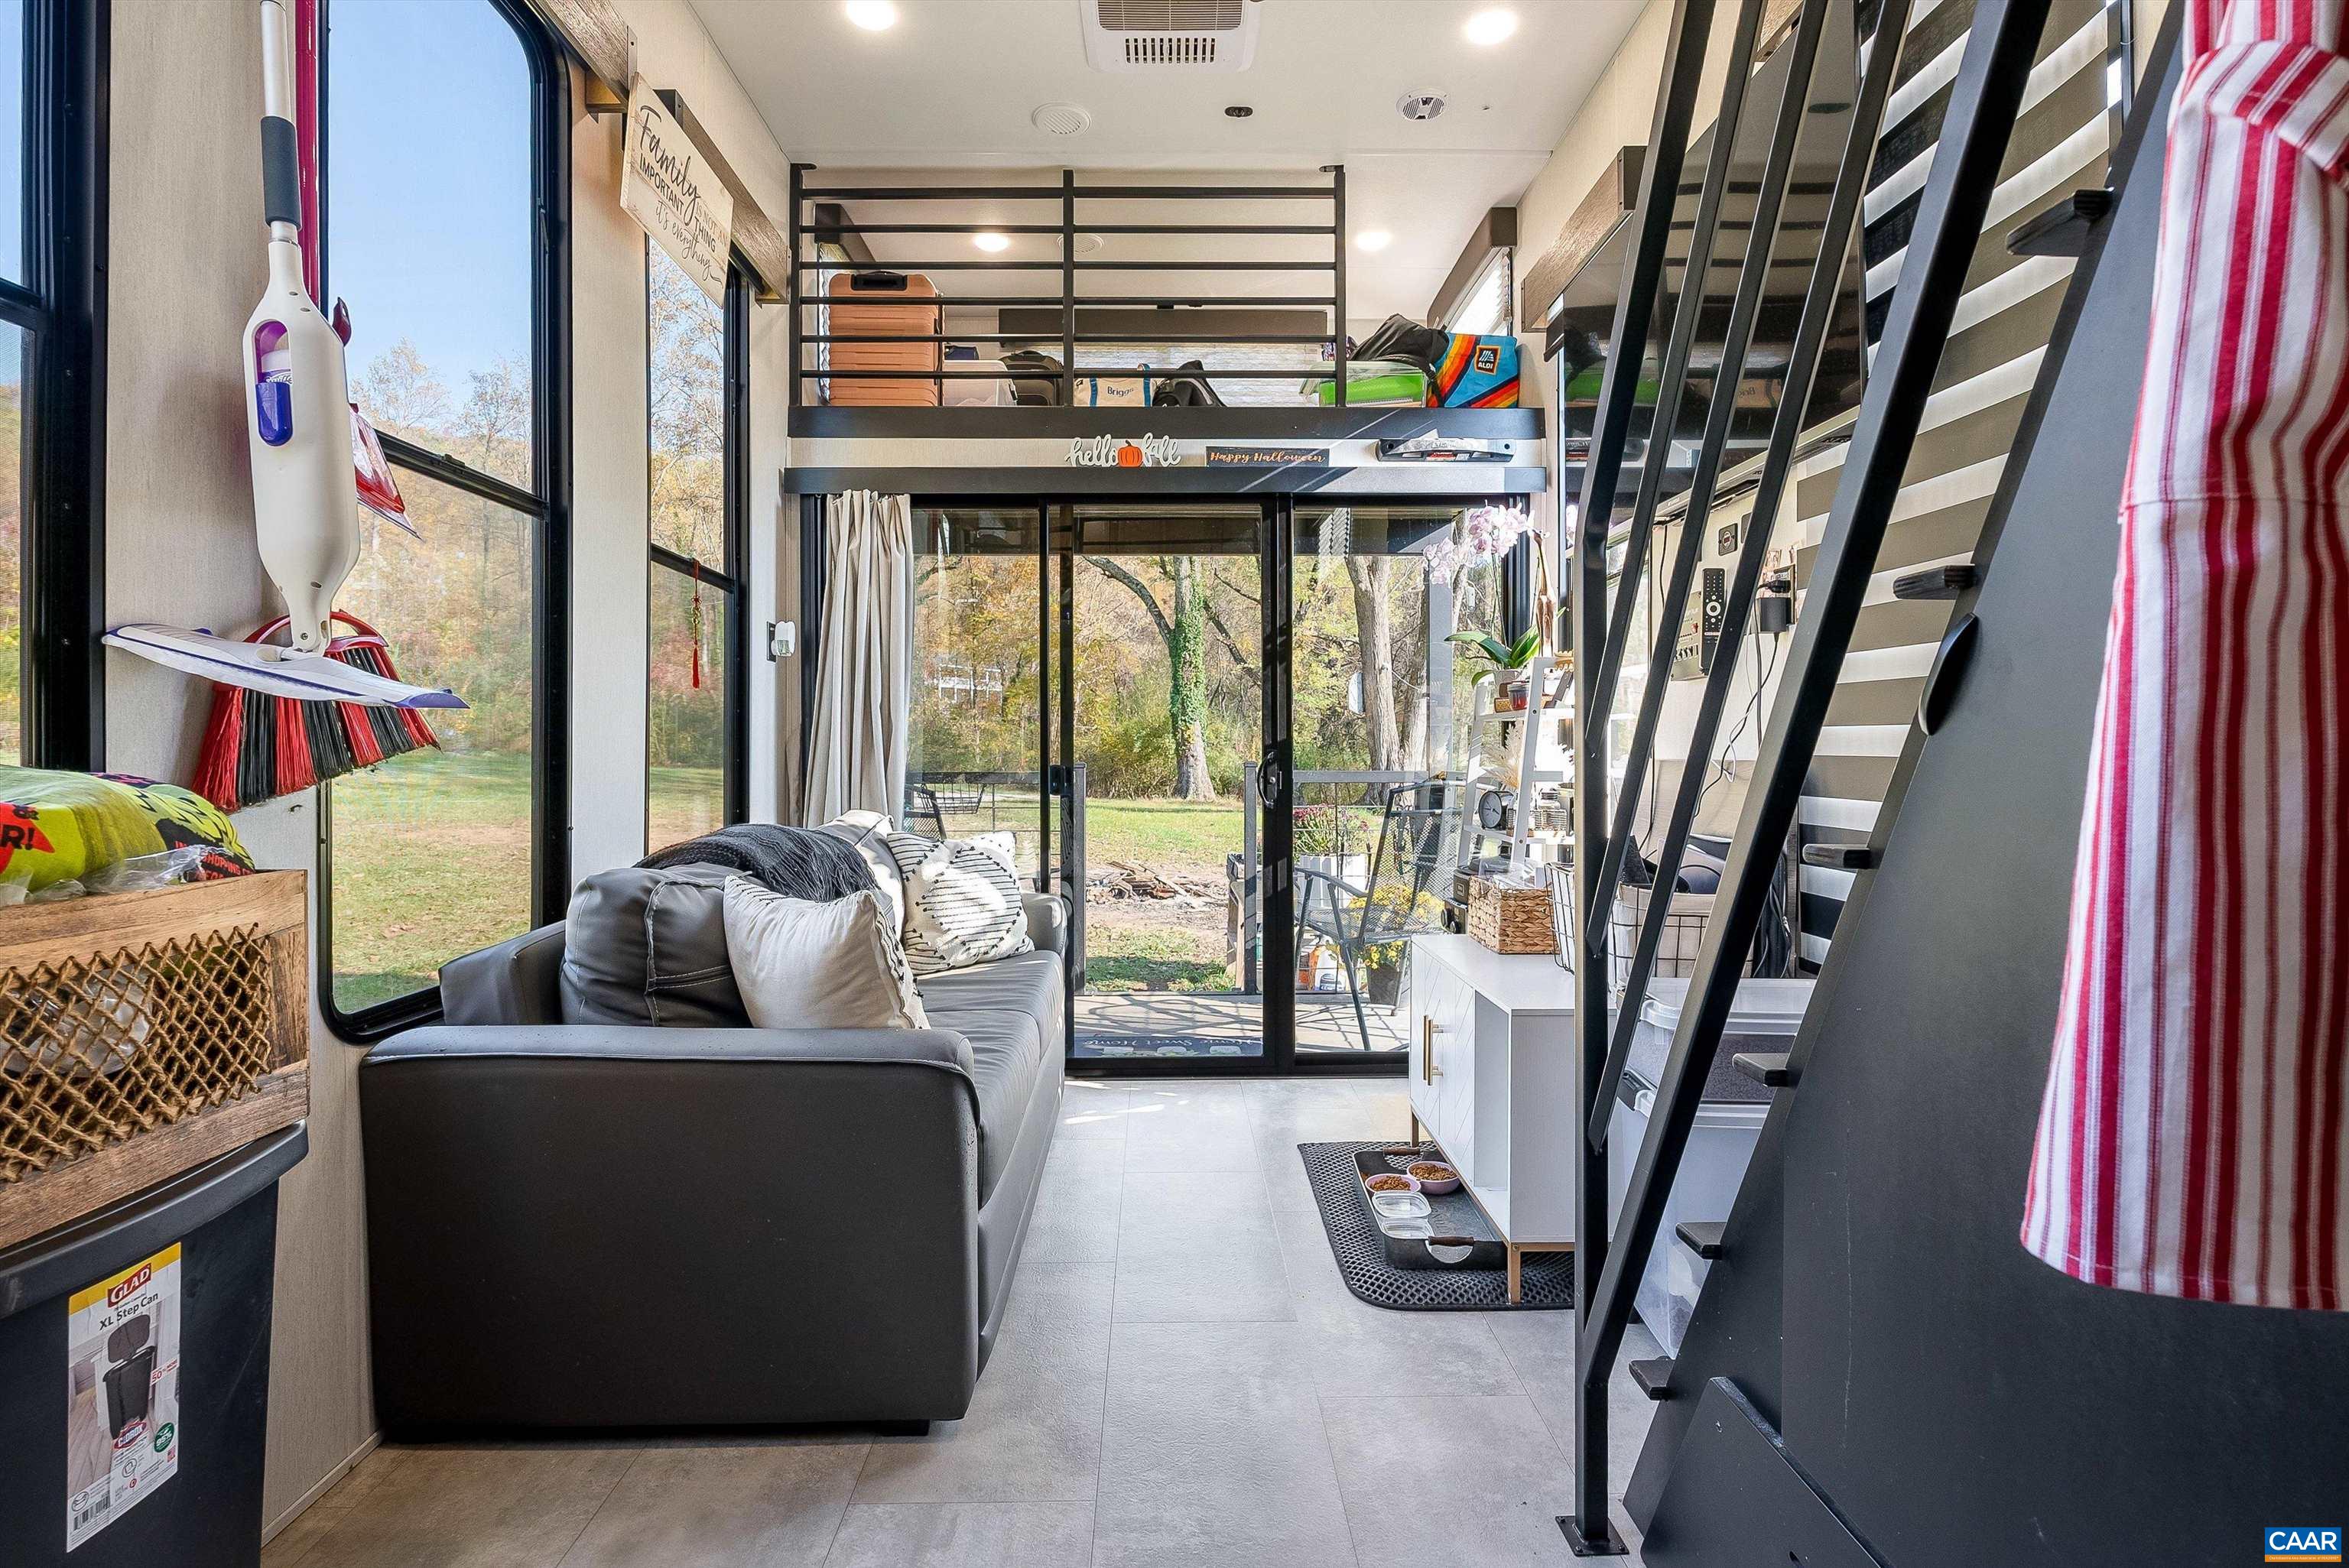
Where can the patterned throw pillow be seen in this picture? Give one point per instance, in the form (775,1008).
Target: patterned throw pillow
(962,901)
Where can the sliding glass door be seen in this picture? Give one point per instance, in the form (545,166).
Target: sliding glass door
(1219,728)
(1160,735)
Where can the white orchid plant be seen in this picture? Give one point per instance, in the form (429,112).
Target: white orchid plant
(1480,534)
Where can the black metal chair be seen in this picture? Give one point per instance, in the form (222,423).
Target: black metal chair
(1405,897)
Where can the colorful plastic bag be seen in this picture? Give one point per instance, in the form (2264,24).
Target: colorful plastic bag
(58,826)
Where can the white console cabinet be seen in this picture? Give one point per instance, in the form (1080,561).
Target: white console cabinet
(1491,1081)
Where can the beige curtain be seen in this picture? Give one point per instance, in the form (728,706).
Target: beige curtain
(857,739)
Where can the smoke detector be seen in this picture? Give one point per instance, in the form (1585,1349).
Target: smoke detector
(1420,105)
(1160,35)
(1061,118)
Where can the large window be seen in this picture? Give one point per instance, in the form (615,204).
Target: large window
(51,471)
(693,675)
(443,167)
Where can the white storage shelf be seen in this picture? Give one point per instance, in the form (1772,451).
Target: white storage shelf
(1491,1081)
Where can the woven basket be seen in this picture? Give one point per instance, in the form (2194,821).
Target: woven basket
(143,1034)
(1512,919)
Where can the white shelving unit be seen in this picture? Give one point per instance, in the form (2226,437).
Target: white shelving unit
(1531,760)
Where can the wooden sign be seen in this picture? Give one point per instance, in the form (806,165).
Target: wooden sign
(1268,457)
(669,188)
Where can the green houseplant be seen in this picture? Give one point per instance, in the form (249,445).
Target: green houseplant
(1507,661)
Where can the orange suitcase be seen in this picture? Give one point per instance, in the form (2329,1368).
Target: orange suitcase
(884,305)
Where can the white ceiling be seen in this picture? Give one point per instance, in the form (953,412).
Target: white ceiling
(952,85)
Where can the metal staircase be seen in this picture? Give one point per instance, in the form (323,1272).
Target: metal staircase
(1984,101)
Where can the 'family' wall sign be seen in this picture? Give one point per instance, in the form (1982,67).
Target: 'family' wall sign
(669,188)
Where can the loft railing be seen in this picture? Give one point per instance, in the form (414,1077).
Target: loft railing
(824,212)
(1984,101)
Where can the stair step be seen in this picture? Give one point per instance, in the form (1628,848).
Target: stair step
(1765,1068)
(1701,1237)
(1652,1376)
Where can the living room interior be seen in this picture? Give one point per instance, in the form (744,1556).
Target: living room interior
(1172,782)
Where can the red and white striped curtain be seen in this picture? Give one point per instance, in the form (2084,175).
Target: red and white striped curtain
(2194,1140)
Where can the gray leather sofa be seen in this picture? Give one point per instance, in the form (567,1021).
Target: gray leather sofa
(592,1225)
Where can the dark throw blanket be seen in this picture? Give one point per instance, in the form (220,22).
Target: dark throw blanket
(797,862)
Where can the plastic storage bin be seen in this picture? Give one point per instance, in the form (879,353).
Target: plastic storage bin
(1728,1125)
(134,1373)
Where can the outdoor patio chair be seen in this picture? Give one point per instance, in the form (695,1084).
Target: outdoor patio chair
(1406,892)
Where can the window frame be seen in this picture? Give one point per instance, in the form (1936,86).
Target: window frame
(61,309)
(547,503)
(727,578)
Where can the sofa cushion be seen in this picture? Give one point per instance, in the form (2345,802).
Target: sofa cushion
(961,901)
(800,964)
(1010,1012)
(648,946)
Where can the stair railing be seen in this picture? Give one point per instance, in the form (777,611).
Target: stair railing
(1984,101)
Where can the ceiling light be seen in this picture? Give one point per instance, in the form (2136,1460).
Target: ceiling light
(873,15)
(990,240)
(1489,27)
(1373,240)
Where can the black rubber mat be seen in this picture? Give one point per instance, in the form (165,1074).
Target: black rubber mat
(1548,1282)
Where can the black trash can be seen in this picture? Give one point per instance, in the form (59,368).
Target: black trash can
(134,1373)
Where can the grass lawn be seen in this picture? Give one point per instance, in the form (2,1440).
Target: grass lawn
(432,860)
(1189,838)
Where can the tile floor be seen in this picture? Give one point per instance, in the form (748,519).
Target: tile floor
(1184,1382)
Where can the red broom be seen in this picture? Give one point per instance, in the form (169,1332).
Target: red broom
(258,747)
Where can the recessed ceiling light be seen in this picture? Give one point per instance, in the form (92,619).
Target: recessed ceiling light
(1489,27)
(991,240)
(1373,240)
(873,15)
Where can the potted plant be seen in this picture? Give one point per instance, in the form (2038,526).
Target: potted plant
(1508,660)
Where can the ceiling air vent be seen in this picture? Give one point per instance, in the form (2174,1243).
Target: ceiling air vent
(1170,35)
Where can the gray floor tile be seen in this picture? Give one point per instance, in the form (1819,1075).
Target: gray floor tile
(1077,1204)
(1449,1481)
(965,1535)
(1540,1346)
(290,1546)
(1356,1349)
(473,1507)
(1195,1354)
(1228,1471)
(1244,1280)
(1190,1130)
(774,1504)
(1092,1111)
(1190,1214)
(1026,1439)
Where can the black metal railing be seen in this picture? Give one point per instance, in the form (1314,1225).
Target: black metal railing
(1985,100)
(825,212)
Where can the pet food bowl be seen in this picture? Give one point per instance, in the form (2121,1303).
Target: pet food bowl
(1442,1178)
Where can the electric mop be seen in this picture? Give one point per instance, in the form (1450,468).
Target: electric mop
(299,423)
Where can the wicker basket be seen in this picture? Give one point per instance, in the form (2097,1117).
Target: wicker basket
(1513,920)
(143,1034)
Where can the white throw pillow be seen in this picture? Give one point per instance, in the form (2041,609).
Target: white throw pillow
(868,832)
(806,966)
(962,901)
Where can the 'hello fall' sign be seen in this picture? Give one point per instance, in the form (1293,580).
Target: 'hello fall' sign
(668,187)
